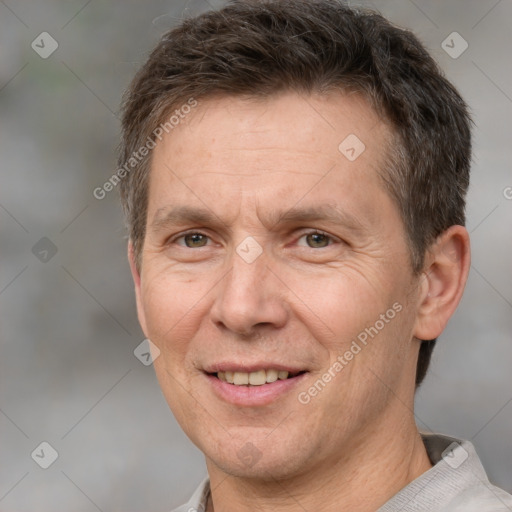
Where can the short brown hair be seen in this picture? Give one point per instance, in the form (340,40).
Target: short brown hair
(261,47)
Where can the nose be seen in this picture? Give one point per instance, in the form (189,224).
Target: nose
(249,297)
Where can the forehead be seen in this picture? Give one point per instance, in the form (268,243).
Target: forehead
(287,145)
(300,123)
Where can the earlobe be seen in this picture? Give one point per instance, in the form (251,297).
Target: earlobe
(444,279)
(137,282)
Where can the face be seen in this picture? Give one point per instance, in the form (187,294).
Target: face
(276,282)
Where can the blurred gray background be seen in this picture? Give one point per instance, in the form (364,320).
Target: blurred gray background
(68,328)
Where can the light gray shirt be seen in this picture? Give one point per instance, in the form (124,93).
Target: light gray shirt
(457,482)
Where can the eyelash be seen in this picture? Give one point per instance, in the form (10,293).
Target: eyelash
(331,238)
(318,232)
(183,235)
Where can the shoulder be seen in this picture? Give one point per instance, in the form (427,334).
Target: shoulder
(457,482)
(483,497)
(197,502)
(465,476)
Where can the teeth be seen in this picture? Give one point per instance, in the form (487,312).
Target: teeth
(272,375)
(257,378)
(240,379)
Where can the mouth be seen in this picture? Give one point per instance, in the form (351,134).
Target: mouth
(255,378)
(255,385)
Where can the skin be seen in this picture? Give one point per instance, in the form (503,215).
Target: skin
(302,301)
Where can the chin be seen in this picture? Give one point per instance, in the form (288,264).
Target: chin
(266,464)
(261,471)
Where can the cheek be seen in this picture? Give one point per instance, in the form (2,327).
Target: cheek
(342,303)
(173,308)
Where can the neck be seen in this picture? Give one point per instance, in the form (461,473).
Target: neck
(376,469)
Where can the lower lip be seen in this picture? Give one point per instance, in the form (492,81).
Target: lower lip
(250,396)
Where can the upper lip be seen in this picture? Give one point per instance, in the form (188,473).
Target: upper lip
(228,366)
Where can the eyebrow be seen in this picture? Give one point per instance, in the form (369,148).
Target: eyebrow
(185,215)
(326,212)
(181,215)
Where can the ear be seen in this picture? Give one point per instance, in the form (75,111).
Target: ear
(137,282)
(444,279)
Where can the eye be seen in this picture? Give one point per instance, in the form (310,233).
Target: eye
(316,239)
(192,240)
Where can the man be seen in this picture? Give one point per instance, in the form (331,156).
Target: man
(293,175)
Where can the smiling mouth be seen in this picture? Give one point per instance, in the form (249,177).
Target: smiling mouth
(257,378)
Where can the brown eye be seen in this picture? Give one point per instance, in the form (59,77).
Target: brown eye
(194,240)
(317,240)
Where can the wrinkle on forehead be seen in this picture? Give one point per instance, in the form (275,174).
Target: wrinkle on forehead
(244,162)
